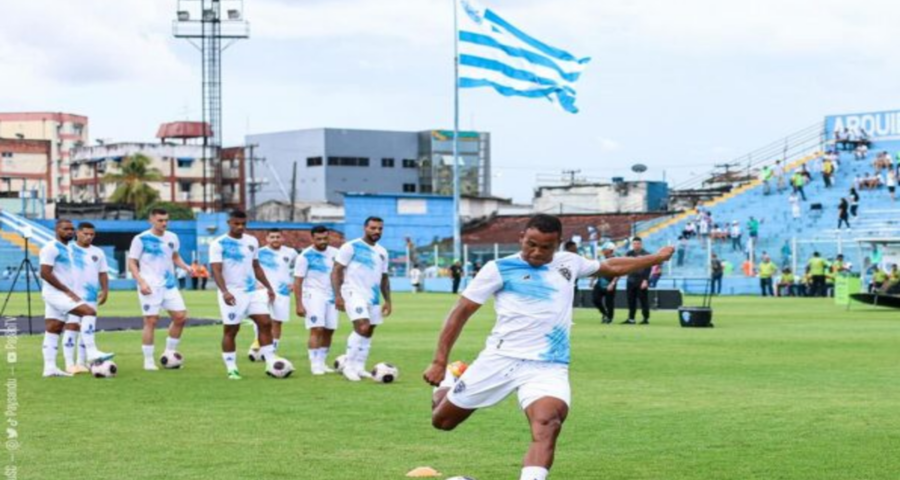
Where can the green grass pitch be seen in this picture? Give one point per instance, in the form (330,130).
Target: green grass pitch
(781,389)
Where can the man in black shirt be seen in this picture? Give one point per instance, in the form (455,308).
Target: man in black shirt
(456,275)
(637,285)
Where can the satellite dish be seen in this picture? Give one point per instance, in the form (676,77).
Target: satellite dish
(638,168)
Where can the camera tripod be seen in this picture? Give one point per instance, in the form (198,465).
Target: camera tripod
(30,271)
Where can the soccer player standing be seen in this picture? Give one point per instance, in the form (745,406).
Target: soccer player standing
(315,297)
(92,285)
(57,272)
(528,350)
(360,272)
(151,260)
(234,258)
(277,261)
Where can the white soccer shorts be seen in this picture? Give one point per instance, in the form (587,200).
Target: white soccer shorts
(161,298)
(320,311)
(76,319)
(280,310)
(57,305)
(246,304)
(492,378)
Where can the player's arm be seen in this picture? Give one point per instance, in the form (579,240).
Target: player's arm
(220,282)
(621,266)
(337,279)
(298,289)
(386,293)
(179,262)
(104,288)
(453,326)
(48,276)
(261,278)
(135,270)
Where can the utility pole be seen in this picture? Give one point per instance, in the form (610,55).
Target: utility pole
(293,191)
(252,182)
(571,174)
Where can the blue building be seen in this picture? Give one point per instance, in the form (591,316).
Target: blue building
(424,219)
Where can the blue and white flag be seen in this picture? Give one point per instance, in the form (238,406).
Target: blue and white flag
(493,53)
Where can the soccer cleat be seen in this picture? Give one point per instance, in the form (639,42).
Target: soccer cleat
(254,355)
(55,372)
(318,370)
(150,366)
(645,322)
(630,321)
(234,375)
(76,369)
(99,357)
(363,373)
(351,374)
(327,369)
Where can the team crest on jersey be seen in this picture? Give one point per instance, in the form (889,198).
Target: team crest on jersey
(286,259)
(460,387)
(172,245)
(251,247)
(313,319)
(146,307)
(359,309)
(381,256)
(95,258)
(526,277)
(566,273)
(232,316)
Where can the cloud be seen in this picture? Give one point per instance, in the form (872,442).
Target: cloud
(608,145)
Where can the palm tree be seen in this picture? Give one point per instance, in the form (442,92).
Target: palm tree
(132,182)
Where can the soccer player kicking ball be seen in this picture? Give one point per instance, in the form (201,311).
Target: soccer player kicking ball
(58,274)
(277,261)
(528,349)
(360,271)
(151,260)
(315,297)
(92,285)
(234,258)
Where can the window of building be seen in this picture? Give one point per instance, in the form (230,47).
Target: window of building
(409,163)
(185,162)
(387,162)
(409,188)
(348,161)
(425,189)
(314,162)
(185,186)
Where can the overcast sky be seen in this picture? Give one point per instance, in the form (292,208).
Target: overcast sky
(675,85)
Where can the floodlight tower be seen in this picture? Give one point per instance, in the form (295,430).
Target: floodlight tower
(202,24)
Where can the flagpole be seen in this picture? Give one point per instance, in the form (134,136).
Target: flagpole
(457,240)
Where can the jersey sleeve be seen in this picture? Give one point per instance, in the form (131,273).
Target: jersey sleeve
(215,252)
(103,266)
(137,248)
(344,254)
(301,266)
(255,243)
(48,255)
(486,283)
(585,267)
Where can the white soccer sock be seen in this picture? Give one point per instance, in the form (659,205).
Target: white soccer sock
(81,359)
(88,338)
(230,359)
(323,355)
(365,344)
(148,353)
(534,473)
(275,342)
(268,352)
(51,347)
(352,348)
(172,344)
(313,356)
(69,337)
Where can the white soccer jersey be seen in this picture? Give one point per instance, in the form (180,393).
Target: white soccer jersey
(89,263)
(236,256)
(277,265)
(59,256)
(315,267)
(533,304)
(154,256)
(365,265)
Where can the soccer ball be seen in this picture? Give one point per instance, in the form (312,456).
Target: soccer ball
(385,373)
(255,355)
(340,362)
(281,368)
(171,360)
(105,369)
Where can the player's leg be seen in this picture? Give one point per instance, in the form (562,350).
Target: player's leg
(546,416)
(266,345)
(173,302)
(325,346)
(358,346)
(444,414)
(147,348)
(69,342)
(229,349)
(88,328)
(313,345)
(276,333)
(280,313)
(53,328)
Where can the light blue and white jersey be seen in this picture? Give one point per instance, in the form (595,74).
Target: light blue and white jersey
(314,267)
(277,265)
(365,265)
(89,263)
(154,256)
(59,256)
(236,256)
(533,304)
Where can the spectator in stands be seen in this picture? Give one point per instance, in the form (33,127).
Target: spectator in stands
(840,138)
(844,213)
(415,278)
(807,177)
(680,250)
(199,275)
(637,285)
(786,254)
(893,278)
(786,287)
(747,267)
(765,176)
(689,230)
(655,274)
(879,280)
(794,200)
(861,152)
(797,182)
(854,201)
(703,226)
(735,234)
(838,266)
(604,290)
(717,270)
(767,270)
(827,171)
(753,229)
(7,273)
(779,176)
(456,274)
(816,270)
(181,274)
(892,183)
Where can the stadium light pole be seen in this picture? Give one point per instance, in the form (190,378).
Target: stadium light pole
(457,235)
